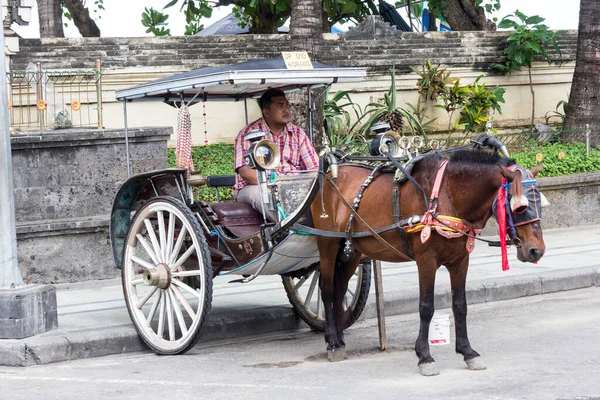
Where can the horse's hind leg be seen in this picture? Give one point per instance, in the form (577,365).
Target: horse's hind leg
(328,249)
(458,278)
(427,269)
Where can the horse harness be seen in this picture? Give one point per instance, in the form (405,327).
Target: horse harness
(448,227)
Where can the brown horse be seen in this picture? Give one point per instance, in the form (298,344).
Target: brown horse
(469,186)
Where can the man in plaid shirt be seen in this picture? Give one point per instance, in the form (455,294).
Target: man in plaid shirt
(296,151)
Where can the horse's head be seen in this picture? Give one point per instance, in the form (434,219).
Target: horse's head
(524,211)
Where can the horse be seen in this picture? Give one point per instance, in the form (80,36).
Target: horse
(466,192)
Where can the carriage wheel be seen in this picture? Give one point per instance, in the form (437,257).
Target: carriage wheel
(305,296)
(167,275)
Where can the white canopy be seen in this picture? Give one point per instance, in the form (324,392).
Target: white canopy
(239,81)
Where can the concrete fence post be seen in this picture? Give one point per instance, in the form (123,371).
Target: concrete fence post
(25,310)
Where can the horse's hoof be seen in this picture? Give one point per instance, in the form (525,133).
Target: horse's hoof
(475,364)
(429,369)
(336,354)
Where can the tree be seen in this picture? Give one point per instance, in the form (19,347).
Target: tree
(584,101)
(530,38)
(465,15)
(307,35)
(50,13)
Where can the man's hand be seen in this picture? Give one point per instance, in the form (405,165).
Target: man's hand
(248,174)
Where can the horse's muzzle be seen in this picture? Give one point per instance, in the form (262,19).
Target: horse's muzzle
(530,254)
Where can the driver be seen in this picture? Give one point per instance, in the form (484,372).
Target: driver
(296,151)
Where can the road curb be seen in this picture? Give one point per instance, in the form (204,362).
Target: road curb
(228,325)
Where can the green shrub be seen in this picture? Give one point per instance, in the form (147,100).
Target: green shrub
(560,159)
(214,159)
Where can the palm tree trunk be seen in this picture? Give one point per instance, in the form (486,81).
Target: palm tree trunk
(584,101)
(306,33)
(50,15)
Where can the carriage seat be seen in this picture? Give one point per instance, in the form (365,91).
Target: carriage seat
(240,218)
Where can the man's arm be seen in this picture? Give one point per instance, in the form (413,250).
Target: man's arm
(248,174)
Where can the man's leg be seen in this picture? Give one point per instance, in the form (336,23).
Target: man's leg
(251,195)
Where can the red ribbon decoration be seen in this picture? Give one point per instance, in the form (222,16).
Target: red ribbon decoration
(502,224)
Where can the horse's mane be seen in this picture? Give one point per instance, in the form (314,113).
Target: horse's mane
(475,156)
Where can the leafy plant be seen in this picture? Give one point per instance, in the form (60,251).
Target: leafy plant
(478,102)
(564,104)
(338,120)
(388,111)
(453,97)
(155,21)
(560,159)
(530,38)
(432,80)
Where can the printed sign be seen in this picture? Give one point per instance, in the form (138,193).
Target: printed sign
(296,60)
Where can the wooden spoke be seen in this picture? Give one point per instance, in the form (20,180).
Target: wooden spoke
(141,262)
(183,301)
(183,257)
(178,245)
(154,307)
(182,274)
(147,296)
(311,290)
(153,239)
(178,314)
(162,235)
(185,287)
(142,240)
(170,319)
(170,236)
(161,316)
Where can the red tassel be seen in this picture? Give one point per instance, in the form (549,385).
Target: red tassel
(502,225)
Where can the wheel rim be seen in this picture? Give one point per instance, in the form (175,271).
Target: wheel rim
(162,257)
(307,294)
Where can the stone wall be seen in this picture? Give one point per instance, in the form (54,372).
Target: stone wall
(65,182)
(130,61)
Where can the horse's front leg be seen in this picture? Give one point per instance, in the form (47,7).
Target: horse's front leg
(328,265)
(458,279)
(427,267)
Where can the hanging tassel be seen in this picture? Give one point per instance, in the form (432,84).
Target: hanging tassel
(502,225)
(183,147)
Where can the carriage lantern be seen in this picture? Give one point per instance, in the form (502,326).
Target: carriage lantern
(263,154)
(385,141)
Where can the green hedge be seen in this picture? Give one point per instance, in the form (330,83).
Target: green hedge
(561,159)
(214,159)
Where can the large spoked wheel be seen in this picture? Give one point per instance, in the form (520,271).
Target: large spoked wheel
(304,294)
(167,275)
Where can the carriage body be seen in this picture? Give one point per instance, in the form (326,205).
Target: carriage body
(171,245)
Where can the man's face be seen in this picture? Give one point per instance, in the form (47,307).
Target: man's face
(279,111)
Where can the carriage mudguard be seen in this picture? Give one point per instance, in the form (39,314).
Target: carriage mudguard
(128,200)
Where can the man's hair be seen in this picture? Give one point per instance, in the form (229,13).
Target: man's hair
(266,99)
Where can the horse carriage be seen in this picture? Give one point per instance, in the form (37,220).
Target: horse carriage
(170,246)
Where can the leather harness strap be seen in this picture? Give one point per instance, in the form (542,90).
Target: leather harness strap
(362,221)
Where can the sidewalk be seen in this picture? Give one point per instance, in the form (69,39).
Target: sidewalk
(93,320)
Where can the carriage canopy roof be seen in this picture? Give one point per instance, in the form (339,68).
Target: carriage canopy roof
(239,81)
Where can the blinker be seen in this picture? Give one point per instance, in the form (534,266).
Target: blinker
(544,201)
(519,204)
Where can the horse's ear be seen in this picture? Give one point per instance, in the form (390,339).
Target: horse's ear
(507,173)
(534,171)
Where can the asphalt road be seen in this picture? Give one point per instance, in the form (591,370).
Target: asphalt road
(540,347)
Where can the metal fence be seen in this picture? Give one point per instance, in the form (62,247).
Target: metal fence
(41,99)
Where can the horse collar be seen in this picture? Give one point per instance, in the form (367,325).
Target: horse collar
(448,227)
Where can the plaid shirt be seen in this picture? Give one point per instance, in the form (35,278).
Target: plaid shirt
(296,151)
